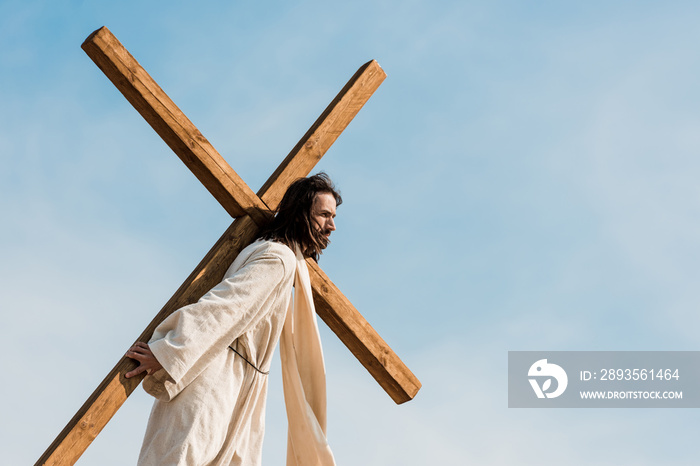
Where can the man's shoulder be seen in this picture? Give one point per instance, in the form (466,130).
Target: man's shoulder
(272,248)
(276,256)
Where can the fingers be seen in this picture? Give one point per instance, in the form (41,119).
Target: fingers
(147,361)
(137,355)
(139,348)
(141,353)
(145,365)
(136,371)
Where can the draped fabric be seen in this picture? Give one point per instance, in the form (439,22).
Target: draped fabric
(210,402)
(304,377)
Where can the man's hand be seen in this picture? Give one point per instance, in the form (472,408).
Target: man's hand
(147,361)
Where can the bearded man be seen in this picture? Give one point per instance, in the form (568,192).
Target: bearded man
(207,363)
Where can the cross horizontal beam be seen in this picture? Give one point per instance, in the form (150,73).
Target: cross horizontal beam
(361,339)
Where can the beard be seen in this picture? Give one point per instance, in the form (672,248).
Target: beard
(322,238)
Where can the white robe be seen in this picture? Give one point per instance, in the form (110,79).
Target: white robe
(210,403)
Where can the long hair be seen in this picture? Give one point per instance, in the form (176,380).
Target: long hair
(292,222)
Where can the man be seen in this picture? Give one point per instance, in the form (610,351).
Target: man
(207,363)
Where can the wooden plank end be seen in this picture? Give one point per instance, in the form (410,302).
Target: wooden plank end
(101,31)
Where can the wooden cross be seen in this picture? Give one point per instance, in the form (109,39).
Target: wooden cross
(250,211)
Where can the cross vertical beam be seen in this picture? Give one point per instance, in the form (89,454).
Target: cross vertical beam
(172,125)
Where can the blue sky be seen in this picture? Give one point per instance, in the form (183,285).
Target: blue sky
(524,179)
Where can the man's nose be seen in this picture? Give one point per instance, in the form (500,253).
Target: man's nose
(330,224)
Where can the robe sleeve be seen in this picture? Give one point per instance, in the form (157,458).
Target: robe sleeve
(191,337)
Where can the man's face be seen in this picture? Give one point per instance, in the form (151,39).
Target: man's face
(322,215)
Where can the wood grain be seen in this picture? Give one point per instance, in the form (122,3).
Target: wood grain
(325,130)
(225,185)
(110,395)
(361,339)
(173,126)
